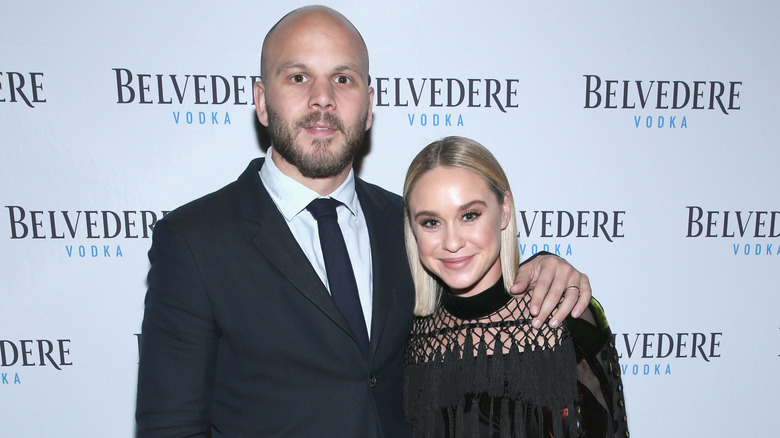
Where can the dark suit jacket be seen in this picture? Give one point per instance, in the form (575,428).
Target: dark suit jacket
(241,338)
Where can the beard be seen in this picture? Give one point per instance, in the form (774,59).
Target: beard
(326,160)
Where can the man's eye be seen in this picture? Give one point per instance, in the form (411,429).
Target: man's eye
(298,78)
(345,80)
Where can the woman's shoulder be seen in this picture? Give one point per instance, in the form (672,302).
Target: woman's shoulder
(591,330)
(600,382)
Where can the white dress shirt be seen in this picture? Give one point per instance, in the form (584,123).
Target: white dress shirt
(292,197)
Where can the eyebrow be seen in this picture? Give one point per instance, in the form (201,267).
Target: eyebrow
(293,65)
(307,67)
(462,208)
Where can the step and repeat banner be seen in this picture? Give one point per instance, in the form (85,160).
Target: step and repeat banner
(639,137)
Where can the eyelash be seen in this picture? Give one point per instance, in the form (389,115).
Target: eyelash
(468,216)
(429,223)
(473,213)
(300,78)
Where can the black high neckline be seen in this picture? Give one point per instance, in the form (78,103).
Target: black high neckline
(479,305)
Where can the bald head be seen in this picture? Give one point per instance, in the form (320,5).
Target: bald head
(314,96)
(307,22)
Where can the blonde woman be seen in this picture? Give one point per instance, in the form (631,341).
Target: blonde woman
(475,366)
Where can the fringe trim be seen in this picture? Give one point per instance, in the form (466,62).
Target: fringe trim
(530,381)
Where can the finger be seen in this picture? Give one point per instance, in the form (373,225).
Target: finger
(544,297)
(558,272)
(569,301)
(585,295)
(522,280)
(575,300)
(553,298)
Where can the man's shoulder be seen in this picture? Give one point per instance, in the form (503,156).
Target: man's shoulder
(215,206)
(377,194)
(214,203)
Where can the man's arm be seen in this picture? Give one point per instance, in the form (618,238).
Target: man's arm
(551,277)
(178,344)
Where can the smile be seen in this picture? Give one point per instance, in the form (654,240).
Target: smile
(456,262)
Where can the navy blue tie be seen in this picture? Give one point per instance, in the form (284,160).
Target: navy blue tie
(341,278)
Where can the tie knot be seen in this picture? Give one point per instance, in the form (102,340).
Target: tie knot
(323,207)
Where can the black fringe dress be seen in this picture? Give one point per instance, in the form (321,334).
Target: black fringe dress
(477,368)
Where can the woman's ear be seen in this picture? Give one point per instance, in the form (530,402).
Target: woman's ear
(506,209)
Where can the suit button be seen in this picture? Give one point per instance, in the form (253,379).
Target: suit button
(372,381)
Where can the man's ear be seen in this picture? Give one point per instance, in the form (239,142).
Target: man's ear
(260,108)
(370,116)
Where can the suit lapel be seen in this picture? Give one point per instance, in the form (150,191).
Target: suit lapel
(275,240)
(383,259)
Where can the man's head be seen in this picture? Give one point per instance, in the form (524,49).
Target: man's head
(314,95)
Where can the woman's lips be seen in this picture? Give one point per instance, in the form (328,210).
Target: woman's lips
(456,263)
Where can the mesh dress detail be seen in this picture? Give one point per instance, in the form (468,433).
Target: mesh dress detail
(477,368)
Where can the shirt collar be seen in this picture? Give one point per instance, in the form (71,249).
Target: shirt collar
(292,197)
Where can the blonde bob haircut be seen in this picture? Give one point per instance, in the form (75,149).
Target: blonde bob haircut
(457,153)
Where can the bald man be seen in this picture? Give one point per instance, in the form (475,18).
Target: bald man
(241,336)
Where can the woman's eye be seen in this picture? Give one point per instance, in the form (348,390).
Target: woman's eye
(429,223)
(471,215)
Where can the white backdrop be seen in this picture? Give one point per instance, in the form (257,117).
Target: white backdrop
(667,199)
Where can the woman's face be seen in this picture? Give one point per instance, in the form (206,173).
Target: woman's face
(457,222)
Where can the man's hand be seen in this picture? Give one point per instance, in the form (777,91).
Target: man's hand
(549,277)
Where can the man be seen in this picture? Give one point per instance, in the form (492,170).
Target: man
(241,336)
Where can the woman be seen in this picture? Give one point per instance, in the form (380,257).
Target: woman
(475,367)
